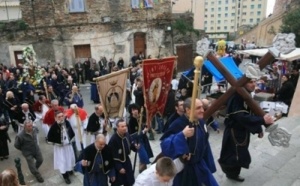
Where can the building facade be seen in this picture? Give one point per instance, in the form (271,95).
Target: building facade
(10,10)
(222,17)
(71,30)
(194,6)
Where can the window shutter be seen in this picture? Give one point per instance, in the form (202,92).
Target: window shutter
(77,5)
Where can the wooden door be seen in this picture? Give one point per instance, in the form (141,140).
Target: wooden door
(82,51)
(140,43)
(18,57)
(185,57)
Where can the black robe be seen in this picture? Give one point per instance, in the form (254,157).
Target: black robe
(89,154)
(94,124)
(121,147)
(4,138)
(55,133)
(22,117)
(239,123)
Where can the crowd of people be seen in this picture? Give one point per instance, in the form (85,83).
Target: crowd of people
(84,142)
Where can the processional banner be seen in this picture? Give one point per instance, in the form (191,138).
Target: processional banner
(157,75)
(112,92)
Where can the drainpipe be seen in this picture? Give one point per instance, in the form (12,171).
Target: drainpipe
(6,10)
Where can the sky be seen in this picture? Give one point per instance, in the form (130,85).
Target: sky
(270,6)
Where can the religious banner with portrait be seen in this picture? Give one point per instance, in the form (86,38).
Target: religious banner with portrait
(157,75)
(140,4)
(112,92)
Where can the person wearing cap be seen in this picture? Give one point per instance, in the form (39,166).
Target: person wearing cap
(61,136)
(239,123)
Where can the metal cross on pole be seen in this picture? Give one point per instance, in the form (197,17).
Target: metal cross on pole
(278,136)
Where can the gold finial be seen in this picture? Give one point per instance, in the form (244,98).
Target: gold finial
(198,62)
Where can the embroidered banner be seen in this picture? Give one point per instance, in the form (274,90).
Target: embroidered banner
(112,92)
(157,75)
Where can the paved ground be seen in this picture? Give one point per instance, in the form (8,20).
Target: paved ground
(271,166)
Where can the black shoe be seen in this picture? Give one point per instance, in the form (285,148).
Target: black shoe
(40,179)
(70,172)
(236,178)
(68,181)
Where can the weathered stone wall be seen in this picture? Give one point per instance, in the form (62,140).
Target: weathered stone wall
(53,30)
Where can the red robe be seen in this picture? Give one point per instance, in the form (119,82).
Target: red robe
(38,106)
(49,118)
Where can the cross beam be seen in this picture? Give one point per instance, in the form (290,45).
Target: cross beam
(236,85)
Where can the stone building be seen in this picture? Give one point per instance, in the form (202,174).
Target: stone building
(67,30)
(266,30)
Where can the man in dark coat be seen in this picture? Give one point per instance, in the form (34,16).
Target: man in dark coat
(97,163)
(239,123)
(25,114)
(122,144)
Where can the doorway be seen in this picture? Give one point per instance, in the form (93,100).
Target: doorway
(18,57)
(140,43)
(82,51)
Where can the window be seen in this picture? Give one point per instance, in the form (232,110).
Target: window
(244,6)
(206,3)
(232,21)
(244,13)
(225,21)
(212,15)
(232,14)
(220,2)
(226,8)
(212,28)
(205,28)
(205,15)
(212,9)
(258,12)
(251,13)
(259,6)
(226,15)
(232,27)
(258,20)
(219,15)
(218,28)
(212,22)
(219,21)
(77,6)
(212,3)
(205,9)
(243,20)
(252,6)
(205,22)
(219,9)
(251,20)
(233,7)
(225,27)
(233,1)
(226,1)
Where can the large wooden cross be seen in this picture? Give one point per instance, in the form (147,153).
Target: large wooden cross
(236,85)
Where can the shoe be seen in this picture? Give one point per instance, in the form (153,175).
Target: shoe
(40,179)
(236,178)
(68,181)
(70,172)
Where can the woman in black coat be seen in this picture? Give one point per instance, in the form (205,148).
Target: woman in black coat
(286,92)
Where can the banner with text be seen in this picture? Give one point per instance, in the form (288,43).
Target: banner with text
(112,92)
(157,75)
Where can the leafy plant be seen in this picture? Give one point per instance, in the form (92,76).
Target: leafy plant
(291,24)
(183,27)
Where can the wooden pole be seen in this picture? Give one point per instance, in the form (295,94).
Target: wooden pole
(198,62)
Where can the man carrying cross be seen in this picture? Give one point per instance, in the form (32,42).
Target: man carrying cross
(239,123)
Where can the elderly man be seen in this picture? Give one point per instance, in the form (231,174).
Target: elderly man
(49,118)
(97,124)
(78,120)
(24,115)
(27,142)
(61,136)
(97,159)
(74,97)
(199,166)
